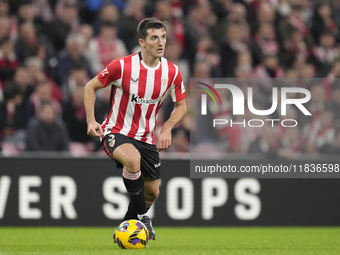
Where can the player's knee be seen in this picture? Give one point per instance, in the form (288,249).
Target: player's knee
(132,163)
(152,195)
(156,194)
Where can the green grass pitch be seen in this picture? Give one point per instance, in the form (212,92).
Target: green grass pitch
(182,241)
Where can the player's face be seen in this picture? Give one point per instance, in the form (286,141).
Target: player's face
(155,42)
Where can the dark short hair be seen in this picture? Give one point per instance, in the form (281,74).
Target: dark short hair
(25,2)
(5,40)
(108,24)
(46,103)
(148,23)
(326,31)
(78,65)
(70,4)
(11,91)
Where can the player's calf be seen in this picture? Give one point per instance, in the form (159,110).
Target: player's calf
(134,184)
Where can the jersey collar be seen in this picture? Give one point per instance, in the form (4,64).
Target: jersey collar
(145,65)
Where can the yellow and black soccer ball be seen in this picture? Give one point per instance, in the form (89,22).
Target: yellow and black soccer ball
(131,234)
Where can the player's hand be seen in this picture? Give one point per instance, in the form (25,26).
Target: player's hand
(164,140)
(94,129)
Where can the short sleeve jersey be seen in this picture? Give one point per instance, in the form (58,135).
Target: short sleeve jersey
(137,93)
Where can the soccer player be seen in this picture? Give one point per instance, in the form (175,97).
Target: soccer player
(139,85)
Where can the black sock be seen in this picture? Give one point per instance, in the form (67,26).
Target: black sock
(134,184)
(131,212)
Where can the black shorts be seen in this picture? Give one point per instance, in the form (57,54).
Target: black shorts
(150,162)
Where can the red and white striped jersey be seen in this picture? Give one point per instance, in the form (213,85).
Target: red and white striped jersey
(137,93)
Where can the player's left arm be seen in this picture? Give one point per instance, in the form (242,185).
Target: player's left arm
(177,115)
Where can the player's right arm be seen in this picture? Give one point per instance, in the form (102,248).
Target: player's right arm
(107,77)
(94,129)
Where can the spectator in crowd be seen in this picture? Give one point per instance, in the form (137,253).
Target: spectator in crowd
(264,13)
(105,47)
(31,44)
(269,68)
(290,144)
(207,52)
(204,43)
(307,72)
(47,132)
(266,144)
(245,57)
(323,20)
(227,13)
(295,21)
(180,140)
(199,21)
(41,94)
(12,122)
(235,43)
(291,73)
(4,27)
(201,70)
(87,32)
(316,105)
(331,79)
(213,58)
(298,64)
(173,53)
(78,78)
(66,22)
(94,5)
(220,133)
(240,136)
(108,13)
(324,54)
(36,68)
(23,80)
(243,71)
(264,74)
(74,116)
(282,7)
(164,12)
(294,47)
(319,133)
(8,22)
(8,62)
(72,54)
(265,43)
(336,9)
(332,148)
(26,13)
(237,13)
(133,14)
(335,104)
(43,10)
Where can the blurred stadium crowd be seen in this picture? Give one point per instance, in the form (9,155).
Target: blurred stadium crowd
(49,50)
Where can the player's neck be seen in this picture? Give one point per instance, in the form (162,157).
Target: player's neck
(149,60)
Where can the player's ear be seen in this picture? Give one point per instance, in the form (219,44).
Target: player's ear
(141,43)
